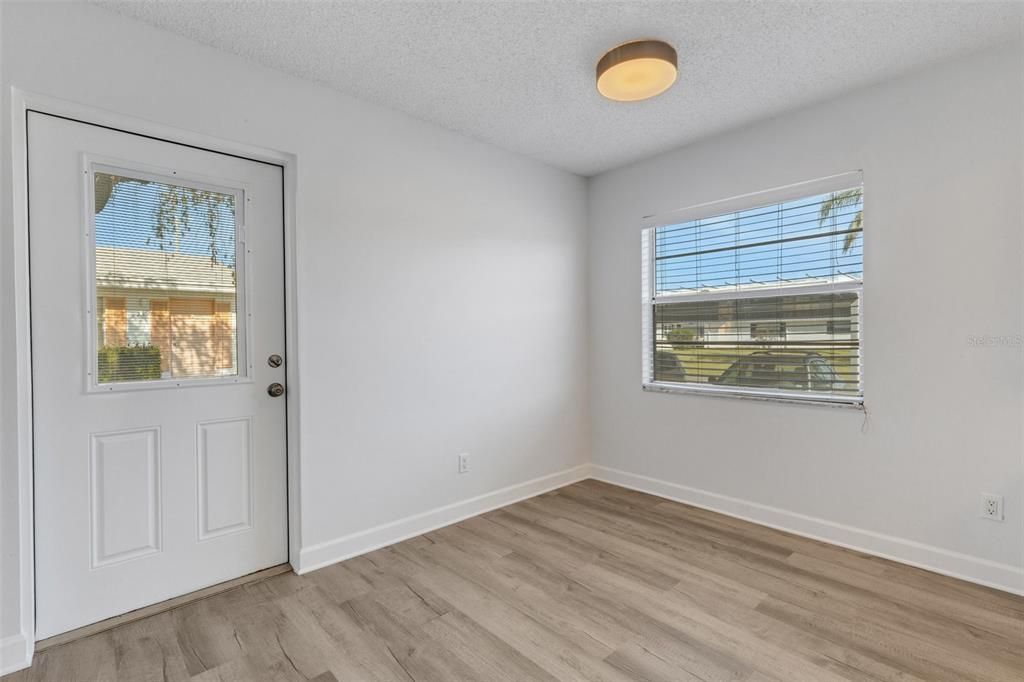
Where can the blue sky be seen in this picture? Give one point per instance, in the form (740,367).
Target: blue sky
(731,249)
(129,218)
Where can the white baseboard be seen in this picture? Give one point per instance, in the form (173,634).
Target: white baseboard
(16,650)
(954,564)
(330,552)
(15,654)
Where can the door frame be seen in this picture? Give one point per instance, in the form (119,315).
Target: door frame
(23,102)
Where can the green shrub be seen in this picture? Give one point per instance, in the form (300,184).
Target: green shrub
(128,363)
(681,338)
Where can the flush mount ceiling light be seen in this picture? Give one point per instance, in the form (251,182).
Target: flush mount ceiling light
(637,70)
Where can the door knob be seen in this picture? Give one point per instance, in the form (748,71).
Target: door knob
(275,390)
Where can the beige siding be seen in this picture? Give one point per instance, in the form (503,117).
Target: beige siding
(160,330)
(115,321)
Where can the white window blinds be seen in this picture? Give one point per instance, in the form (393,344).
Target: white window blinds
(166,282)
(758,295)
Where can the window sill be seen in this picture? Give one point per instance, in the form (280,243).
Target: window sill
(856,403)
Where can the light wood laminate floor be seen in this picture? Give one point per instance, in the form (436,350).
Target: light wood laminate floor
(589,582)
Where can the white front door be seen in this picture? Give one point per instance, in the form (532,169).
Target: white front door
(157,303)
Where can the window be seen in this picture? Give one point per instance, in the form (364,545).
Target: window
(165,280)
(759,295)
(768,331)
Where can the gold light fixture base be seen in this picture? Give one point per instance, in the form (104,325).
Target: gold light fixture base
(637,70)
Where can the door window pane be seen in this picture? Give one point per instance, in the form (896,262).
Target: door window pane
(166,281)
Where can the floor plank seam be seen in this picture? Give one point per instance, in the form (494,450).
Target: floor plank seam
(588,581)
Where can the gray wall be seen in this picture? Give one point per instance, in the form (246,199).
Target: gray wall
(941,152)
(440,279)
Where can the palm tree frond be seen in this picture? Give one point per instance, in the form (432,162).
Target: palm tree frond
(855,228)
(838,201)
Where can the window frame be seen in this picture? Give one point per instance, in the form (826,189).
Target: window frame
(95,163)
(745,202)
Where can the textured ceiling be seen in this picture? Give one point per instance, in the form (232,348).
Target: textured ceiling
(521,74)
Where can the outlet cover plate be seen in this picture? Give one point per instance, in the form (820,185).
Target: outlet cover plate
(992,507)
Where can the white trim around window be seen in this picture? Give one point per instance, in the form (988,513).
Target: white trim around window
(716,275)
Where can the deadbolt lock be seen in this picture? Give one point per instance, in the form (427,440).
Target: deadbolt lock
(274,360)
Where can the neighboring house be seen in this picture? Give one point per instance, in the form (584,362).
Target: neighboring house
(708,336)
(182,304)
(824,329)
(826,319)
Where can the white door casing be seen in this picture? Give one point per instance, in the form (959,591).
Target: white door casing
(151,488)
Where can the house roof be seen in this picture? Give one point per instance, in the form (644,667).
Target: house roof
(150,269)
(781,286)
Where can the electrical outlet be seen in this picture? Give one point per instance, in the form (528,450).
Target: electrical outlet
(992,507)
(463,463)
